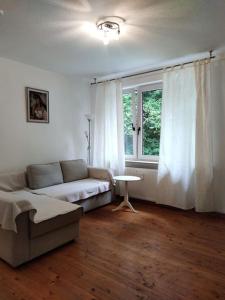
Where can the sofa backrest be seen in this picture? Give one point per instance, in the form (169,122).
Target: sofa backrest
(43,175)
(74,170)
(13,181)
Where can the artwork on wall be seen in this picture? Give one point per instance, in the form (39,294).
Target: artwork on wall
(37,105)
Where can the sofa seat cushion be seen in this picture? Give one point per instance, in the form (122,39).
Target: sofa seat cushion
(51,213)
(76,190)
(60,221)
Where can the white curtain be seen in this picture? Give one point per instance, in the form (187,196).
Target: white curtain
(177,142)
(192,147)
(108,146)
(204,200)
(217,70)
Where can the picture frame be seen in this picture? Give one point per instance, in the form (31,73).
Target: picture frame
(37,103)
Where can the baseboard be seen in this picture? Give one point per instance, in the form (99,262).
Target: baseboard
(137,197)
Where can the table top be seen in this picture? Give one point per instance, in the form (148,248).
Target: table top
(127,178)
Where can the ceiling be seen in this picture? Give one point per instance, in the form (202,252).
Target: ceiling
(51,34)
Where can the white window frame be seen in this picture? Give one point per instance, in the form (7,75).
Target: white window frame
(132,91)
(137,121)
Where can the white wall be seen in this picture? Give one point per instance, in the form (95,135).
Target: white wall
(23,143)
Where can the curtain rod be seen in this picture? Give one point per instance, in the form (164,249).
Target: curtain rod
(211,56)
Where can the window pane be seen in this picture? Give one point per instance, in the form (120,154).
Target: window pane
(128,119)
(151,121)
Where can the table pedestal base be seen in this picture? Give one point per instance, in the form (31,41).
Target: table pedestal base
(125,202)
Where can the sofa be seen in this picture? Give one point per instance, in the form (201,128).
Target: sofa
(72,181)
(40,209)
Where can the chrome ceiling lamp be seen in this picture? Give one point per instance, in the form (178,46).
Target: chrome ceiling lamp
(109,28)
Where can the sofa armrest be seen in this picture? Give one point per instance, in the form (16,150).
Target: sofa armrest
(14,247)
(100,173)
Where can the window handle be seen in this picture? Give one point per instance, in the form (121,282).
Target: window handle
(133,127)
(138,131)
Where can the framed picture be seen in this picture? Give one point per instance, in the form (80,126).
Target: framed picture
(37,105)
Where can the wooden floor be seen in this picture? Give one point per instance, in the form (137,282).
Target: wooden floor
(159,253)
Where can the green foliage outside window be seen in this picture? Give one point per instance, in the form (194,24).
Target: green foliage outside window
(151,101)
(151,122)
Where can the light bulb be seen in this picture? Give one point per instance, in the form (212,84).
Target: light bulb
(105,40)
(116,37)
(109,29)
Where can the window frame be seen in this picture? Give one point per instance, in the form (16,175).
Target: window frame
(132,157)
(138,115)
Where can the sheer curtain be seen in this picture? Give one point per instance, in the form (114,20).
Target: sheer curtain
(217,72)
(192,147)
(177,142)
(108,147)
(204,139)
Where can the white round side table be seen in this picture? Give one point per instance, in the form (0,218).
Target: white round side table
(126,201)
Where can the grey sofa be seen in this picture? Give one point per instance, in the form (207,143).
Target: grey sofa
(32,240)
(72,181)
(68,181)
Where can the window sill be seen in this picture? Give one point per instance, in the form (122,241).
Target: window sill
(142,164)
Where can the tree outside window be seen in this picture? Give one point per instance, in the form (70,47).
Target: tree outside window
(142,112)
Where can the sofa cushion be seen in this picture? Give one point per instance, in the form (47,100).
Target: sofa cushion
(42,175)
(76,190)
(10,182)
(50,213)
(74,170)
(39,229)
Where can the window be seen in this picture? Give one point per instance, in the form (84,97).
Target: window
(142,121)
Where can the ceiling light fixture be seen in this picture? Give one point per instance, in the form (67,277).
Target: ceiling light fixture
(109,28)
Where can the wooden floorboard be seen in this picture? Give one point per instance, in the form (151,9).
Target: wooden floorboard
(159,253)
